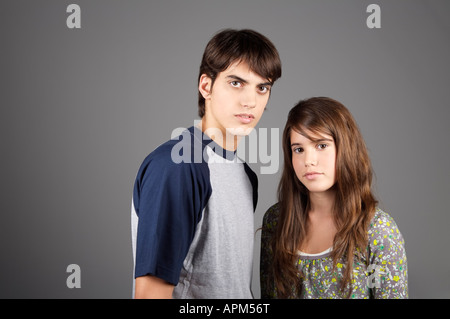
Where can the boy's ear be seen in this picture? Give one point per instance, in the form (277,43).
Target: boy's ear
(204,86)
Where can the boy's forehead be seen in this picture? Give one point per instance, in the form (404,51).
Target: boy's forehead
(243,70)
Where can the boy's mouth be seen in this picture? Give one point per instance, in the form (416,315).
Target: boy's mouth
(245,118)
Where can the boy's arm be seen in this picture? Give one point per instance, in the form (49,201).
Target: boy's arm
(151,287)
(168,201)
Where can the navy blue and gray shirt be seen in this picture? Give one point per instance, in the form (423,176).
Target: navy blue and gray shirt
(192,218)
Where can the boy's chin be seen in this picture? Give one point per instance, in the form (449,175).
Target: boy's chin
(240,131)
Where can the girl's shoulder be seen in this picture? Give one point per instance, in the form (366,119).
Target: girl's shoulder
(270,218)
(382,221)
(383,228)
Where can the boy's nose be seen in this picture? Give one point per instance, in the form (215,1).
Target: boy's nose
(249,99)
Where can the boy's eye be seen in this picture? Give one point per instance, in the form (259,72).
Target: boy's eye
(235,84)
(263,89)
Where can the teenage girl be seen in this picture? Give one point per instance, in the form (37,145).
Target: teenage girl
(326,236)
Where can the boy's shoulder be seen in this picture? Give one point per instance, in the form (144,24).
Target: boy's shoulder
(177,150)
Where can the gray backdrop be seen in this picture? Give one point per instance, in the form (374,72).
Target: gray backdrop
(81,108)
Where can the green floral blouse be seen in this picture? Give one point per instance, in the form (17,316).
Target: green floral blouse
(385,275)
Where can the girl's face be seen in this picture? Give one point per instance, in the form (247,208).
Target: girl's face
(314,160)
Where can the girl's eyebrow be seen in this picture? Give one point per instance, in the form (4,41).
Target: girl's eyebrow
(323,140)
(320,140)
(237,78)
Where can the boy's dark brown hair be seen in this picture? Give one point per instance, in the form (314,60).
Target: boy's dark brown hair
(245,45)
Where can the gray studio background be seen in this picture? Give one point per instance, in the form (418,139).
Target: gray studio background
(81,108)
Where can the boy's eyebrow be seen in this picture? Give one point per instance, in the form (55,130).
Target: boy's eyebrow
(237,78)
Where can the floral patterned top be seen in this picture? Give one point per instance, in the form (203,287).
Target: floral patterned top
(384,275)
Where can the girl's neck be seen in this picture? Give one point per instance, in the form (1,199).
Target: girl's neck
(322,203)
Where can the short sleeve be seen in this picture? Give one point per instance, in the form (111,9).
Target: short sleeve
(168,200)
(388,271)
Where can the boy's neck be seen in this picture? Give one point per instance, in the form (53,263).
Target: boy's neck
(223,138)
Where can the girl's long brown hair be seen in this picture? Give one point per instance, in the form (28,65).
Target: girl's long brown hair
(354,203)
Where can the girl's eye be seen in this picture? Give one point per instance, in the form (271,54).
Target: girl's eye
(322,146)
(298,150)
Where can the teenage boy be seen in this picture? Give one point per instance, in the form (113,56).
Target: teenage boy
(193,200)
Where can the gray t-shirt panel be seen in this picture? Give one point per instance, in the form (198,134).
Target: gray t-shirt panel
(219,261)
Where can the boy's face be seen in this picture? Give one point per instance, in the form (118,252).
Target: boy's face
(236,101)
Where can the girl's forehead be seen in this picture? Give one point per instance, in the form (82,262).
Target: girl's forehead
(311,135)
